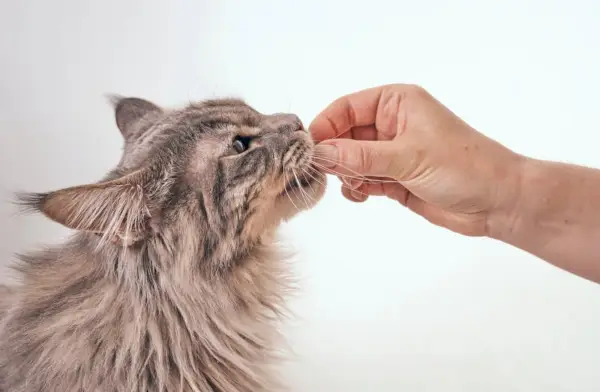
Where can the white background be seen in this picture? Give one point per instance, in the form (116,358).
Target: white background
(389,302)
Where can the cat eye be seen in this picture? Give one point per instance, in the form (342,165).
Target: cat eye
(241,144)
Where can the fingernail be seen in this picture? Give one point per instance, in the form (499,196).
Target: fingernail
(328,152)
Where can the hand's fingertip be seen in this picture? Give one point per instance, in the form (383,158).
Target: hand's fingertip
(346,192)
(349,194)
(315,122)
(320,129)
(350,198)
(359,196)
(396,192)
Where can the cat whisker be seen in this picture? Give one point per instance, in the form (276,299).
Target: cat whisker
(306,171)
(352,177)
(302,192)
(356,174)
(307,195)
(312,198)
(288,194)
(354,190)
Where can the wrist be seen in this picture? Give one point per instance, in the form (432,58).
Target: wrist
(516,211)
(549,201)
(555,216)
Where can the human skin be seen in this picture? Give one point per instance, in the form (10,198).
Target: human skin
(399,141)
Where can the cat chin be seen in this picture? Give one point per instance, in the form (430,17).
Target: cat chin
(301,197)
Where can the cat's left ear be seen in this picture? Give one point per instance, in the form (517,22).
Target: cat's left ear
(129,111)
(116,210)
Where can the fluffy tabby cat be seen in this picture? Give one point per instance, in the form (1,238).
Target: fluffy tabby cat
(172,280)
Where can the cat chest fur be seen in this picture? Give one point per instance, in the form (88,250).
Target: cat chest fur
(89,327)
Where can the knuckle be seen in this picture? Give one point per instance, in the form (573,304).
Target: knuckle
(343,156)
(365,159)
(411,88)
(408,90)
(350,114)
(416,90)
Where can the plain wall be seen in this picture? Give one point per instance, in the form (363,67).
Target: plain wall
(388,301)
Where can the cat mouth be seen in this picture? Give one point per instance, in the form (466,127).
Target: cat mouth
(298,181)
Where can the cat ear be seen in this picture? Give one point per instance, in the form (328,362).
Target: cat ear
(128,111)
(116,209)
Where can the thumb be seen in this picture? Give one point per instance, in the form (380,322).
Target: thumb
(352,157)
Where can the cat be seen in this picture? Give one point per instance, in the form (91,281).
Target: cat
(172,279)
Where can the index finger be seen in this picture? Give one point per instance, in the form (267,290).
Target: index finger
(353,110)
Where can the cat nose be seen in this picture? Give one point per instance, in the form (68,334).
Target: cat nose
(296,122)
(290,122)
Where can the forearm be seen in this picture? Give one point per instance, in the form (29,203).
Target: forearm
(556,216)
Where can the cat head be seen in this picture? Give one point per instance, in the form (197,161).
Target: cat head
(220,166)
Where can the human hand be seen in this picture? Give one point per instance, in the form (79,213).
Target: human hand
(400,142)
